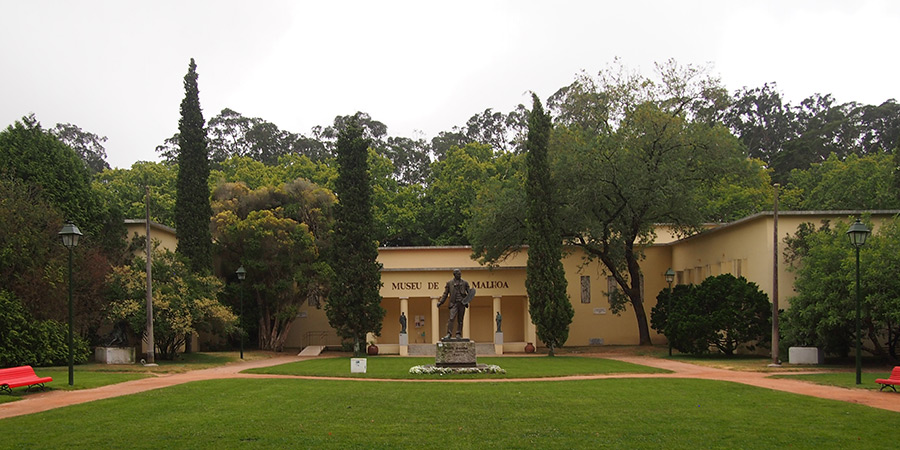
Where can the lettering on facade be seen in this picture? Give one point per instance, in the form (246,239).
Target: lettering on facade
(490,285)
(435,285)
(406,285)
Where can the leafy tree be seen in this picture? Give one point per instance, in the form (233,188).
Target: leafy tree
(354,306)
(183,301)
(762,121)
(192,210)
(410,158)
(641,165)
(278,234)
(856,182)
(445,140)
(453,188)
(723,312)
(823,313)
(546,284)
(87,145)
(39,158)
(372,130)
(124,190)
(744,191)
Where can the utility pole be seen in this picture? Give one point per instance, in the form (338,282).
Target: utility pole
(151,351)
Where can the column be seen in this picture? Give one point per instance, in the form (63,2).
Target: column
(435,319)
(498,337)
(404,338)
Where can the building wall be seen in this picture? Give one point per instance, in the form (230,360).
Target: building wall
(158,232)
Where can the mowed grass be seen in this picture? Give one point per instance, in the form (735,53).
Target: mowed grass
(610,413)
(516,367)
(843,379)
(92,375)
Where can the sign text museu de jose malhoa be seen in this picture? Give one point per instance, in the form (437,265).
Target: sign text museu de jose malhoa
(434,285)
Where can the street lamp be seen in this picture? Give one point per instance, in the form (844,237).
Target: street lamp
(241,274)
(858,234)
(70,235)
(670,277)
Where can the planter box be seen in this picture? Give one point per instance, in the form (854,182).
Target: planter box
(806,355)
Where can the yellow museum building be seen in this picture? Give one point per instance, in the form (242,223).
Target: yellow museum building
(414,277)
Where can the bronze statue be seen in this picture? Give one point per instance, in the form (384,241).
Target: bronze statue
(402,323)
(459,294)
(499,320)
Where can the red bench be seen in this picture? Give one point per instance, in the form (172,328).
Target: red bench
(20,376)
(891,381)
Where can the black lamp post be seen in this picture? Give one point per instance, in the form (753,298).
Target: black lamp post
(70,235)
(670,277)
(858,234)
(241,274)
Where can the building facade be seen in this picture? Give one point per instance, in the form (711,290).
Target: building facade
(414,277)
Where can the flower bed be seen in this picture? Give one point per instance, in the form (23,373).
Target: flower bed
(431,369)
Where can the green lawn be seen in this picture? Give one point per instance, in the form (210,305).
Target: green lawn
(612,413)
(516,367)
(843,379)
(91,375)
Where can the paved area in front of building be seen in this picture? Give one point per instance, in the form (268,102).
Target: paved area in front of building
(55,399)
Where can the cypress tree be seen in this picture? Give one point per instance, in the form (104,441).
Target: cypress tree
(192,209)
(545,282)
(354,304)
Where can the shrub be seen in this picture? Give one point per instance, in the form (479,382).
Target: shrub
(26,341)
(722,313)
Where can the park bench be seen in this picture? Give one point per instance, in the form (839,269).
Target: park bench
(20,376)
(891,381)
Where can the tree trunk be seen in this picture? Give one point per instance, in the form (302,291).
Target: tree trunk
(641,316)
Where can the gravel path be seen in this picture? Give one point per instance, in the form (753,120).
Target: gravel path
(55,399)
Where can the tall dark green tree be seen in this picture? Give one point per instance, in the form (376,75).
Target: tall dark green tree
(548,302)
(354,306)
(192,210)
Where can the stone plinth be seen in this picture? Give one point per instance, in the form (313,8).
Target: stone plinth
(806,355)
(114,355)
(455,353)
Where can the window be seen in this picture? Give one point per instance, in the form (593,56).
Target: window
(585,289)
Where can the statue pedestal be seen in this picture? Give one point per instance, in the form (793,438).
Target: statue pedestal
(455,353)
(498,343)
(114,355)
(404,344)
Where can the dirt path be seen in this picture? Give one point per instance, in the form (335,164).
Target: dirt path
(55,399)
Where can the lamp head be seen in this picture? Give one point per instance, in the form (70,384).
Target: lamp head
(858,234)
(70,235)
(670,275)
(241,273)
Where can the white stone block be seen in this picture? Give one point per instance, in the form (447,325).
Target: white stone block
(357,365)
(114,355)
(806,355)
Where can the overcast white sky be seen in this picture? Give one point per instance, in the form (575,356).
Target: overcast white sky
(115,68)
